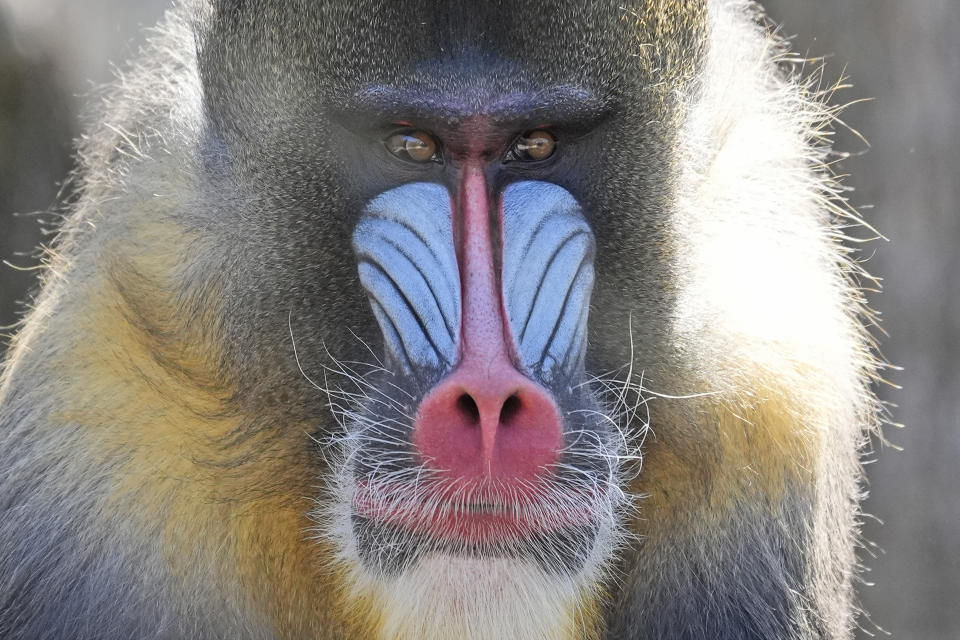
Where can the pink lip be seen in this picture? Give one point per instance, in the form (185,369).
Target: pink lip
(488,517)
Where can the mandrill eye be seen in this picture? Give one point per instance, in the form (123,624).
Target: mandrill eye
(533,146)
(413,146)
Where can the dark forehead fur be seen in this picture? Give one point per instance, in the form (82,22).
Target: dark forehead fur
(318,54)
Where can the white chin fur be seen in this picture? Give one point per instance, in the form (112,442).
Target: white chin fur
(447,596)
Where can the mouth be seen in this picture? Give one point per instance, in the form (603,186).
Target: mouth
(394,526)
(472,515)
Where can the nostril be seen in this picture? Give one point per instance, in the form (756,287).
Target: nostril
(468,408)
(494,423)
(510,409)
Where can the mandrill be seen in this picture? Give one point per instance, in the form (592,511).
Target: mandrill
(443,319)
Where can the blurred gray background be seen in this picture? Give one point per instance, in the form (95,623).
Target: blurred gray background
(903,54)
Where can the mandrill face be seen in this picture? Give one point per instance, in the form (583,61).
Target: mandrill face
(478,455)
(480,436)
(493,190)
(479,202)
(478,461)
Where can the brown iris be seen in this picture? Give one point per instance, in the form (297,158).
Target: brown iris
(415,146)
(534,145)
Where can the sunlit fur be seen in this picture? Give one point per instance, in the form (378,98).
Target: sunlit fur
(118,420)
(769,312)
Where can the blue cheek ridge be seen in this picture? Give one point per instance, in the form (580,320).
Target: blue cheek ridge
(407,264)
(548,274)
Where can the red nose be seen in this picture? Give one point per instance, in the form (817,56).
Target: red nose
(488,422)
(486,419)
